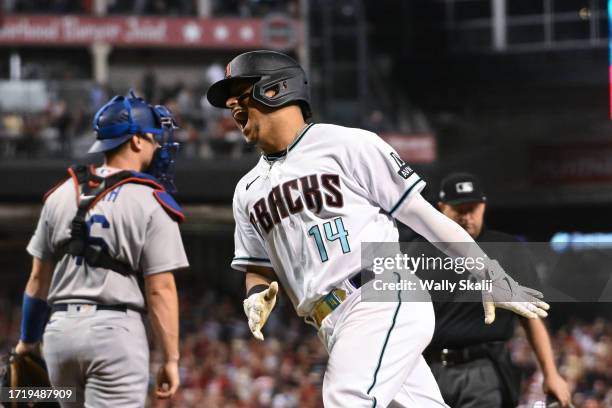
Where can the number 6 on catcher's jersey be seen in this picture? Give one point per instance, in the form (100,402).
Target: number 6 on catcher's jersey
(342,233)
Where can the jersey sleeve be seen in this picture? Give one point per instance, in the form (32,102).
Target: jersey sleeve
(163,249)
(40,243)
(389,181)
(248,244)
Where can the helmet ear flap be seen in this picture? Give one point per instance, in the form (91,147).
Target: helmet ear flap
(290,86)
(274,87)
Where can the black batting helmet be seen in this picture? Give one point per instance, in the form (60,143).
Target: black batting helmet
(269,69)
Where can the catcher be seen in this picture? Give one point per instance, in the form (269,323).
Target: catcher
(99,233)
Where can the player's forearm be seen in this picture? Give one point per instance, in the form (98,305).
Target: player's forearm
(40,279)
(258,275)
(540,343)
(35,310)
(162,302)
(442,232)
(255,279)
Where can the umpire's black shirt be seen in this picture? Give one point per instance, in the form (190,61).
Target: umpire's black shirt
(461,324)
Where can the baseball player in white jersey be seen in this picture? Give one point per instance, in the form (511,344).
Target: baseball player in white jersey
(98,233)
(301,214)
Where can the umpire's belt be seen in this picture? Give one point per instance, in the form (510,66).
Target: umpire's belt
(451,357)
(333,299)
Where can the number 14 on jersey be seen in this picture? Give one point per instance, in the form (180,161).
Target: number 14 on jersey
(341,234)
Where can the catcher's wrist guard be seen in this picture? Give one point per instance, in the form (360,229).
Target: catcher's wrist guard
(34,315)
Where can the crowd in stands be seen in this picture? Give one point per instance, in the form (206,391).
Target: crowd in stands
(202,8)
(584,356)
(64,127)
(222,366)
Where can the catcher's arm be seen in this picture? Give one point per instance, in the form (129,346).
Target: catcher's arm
(162,302)
(261,297)
(35,311)
(40,278)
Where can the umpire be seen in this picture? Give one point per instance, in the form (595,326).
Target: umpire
(100,233)
(468,358)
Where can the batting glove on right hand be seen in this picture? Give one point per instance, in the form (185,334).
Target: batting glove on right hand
(506,293)
(257,308)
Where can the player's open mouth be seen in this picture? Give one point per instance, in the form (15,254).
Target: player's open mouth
(241,117)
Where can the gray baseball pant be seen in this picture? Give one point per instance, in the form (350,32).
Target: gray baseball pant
(103,354)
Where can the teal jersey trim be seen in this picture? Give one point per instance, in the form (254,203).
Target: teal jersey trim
(247,258)
(300,137)
(404,196)
(382,352)
(271,158)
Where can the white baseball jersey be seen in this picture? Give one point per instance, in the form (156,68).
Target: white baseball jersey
(306,213)
(130,222)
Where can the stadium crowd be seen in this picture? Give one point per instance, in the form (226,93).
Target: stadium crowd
(222,366)
(63,129)
(583,352)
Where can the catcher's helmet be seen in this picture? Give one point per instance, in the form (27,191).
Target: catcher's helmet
(268,69)
(121,118)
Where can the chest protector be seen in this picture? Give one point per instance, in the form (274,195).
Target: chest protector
(91,188)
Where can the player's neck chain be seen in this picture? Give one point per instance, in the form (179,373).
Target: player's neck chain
(273,157)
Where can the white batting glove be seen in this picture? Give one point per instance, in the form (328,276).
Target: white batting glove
(507,294)
(257,308)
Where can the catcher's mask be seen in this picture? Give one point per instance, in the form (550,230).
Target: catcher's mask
(162,165)
(123,117)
